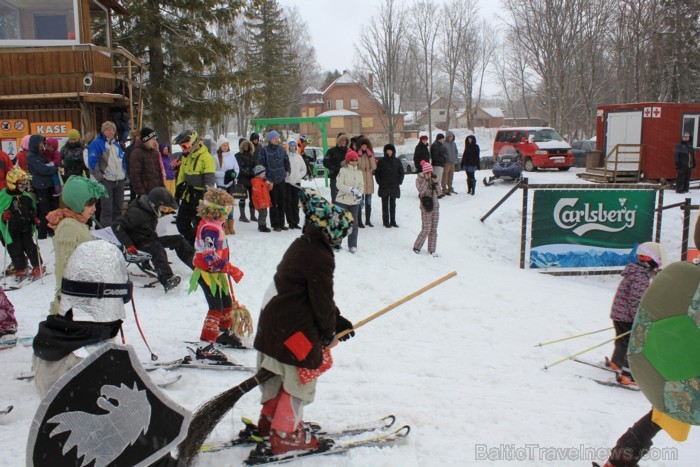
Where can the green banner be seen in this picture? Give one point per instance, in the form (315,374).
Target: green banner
(574,226)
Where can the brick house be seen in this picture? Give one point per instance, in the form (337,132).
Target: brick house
(487,117)
(353,109)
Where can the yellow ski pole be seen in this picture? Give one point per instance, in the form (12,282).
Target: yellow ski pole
(547,367)
(572,337)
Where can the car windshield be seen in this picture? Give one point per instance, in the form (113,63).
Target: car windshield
(545,134)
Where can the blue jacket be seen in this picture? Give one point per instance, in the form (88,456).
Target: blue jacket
(96,163)
(276,163)
(42,174)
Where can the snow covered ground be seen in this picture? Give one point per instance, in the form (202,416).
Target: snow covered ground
(459,363)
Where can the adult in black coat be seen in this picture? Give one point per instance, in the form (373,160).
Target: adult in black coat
(471,162)
(136,230)
(421,153)
(246,162)
(334,157)
(438,156)
(684,159)
(389,176)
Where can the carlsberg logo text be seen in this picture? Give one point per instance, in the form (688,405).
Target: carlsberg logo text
(589,217)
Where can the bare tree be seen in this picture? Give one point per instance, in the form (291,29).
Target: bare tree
(549,33)
(380,51)
(459,15)
(475,55)
(425,27)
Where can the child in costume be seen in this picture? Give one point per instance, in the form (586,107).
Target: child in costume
(8,322)
(428,186)
(211,271)
(298,324)
(18,223)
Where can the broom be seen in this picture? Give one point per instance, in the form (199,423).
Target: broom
(212,411)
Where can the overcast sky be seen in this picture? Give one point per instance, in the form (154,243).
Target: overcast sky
(335,25)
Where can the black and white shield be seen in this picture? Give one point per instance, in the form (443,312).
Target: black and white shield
(105,411)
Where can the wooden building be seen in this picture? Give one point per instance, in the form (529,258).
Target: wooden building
(59,69)
(642,136)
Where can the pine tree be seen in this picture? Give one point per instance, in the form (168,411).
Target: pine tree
(177,41)
(268,53)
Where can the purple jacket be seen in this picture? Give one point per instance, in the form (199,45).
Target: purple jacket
(635,280)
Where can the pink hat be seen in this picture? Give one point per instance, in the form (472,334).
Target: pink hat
(351,156)
(427,167)
(25,142)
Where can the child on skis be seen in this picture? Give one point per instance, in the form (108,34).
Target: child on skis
(298,323)
(8,322)
(136,230)
(429,191)
(19,222)
(261,196)
(636,278)
(211,271)
(80,196)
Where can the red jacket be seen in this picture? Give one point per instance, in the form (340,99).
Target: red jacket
(261,193)
(5,166)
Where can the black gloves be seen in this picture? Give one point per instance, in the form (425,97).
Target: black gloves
(342,324)
(229,176)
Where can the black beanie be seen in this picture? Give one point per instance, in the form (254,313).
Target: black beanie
(148,134)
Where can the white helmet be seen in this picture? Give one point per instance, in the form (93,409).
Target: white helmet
(655,251)
(95,283)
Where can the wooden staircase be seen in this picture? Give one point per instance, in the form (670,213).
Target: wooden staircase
(622,165)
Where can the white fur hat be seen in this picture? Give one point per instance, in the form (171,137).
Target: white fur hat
(221,141)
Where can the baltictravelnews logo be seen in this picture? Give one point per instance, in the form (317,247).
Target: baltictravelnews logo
(591,217)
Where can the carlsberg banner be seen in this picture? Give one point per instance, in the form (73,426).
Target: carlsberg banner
(589,228)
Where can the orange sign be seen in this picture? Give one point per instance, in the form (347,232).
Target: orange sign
(11,128)
(52,128)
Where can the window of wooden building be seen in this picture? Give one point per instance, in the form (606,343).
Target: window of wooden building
(39,22)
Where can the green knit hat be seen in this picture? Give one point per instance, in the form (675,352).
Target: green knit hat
(78,190)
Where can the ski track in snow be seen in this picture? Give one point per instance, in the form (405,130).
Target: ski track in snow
(458,363)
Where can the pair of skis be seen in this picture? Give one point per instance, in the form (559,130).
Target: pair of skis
(606,382)
(28,279)
(376,433)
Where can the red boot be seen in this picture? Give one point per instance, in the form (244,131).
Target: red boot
(300,440)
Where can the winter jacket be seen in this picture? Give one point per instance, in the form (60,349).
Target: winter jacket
(299,312)
(389,175)
(367,165)
(471,157)
(421,153)
(246,163)
(22,209)
(261,193)
(69,234)
(42,174)
(427,187)
(5,166)
(197,171)
(72,159)
(276,162)
(297,169)
(106,159)
(635,281)
(451,154)
(167,161)
(437,154)
(145,171)
(334,157)
(684,156)
(229,163)
(21,160)
(348,178)
(138,224)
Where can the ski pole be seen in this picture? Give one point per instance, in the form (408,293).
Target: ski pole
(572,337)
(397,303)
(547,367)
(154,357)
(4,267)
(38,253)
